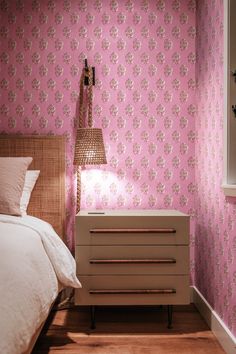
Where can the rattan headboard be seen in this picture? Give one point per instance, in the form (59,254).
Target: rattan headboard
(48,198)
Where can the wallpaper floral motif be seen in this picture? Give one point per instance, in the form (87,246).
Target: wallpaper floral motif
(215,246)
(144,54)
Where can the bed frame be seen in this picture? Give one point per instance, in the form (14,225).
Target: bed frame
(47,200)
(48,197)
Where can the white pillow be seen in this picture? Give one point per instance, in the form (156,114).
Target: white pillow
(12,177)
(31,177)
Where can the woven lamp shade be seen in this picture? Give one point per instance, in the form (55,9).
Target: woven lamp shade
(89,147)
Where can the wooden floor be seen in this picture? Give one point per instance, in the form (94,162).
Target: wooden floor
(128,331)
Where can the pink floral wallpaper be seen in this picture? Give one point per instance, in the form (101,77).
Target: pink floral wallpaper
(215,243)
(144,54)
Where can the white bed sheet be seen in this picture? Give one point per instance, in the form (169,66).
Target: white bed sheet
(33,262)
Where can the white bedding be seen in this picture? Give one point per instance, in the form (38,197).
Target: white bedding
(33,262)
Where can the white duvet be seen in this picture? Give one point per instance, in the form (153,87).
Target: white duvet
(33,262)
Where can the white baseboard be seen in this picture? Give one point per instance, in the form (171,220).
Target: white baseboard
(217,326)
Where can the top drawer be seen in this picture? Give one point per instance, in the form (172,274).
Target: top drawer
(128,230)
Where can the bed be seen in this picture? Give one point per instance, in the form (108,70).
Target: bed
(35,264)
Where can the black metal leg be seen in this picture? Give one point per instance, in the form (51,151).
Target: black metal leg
(93,323)
(170,312)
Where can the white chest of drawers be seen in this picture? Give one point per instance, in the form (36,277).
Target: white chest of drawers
(132,257)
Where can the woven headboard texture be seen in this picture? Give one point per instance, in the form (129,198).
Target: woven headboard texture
(48,152)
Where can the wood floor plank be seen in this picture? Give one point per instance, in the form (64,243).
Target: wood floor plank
(128,331)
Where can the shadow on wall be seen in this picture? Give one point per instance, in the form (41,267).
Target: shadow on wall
(206,262)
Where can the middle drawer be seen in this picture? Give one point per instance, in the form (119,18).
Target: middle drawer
(132,260)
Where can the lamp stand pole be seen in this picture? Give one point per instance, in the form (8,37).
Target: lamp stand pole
(78,200)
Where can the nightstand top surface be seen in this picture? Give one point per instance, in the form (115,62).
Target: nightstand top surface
(159,212)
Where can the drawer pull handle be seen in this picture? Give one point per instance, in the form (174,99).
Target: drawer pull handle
(133,261)
(132,231)
(133,291)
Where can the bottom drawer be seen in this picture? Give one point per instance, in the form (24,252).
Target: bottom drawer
(133,290)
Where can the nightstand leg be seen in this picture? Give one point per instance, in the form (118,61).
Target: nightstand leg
(170,312)
(93,323)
